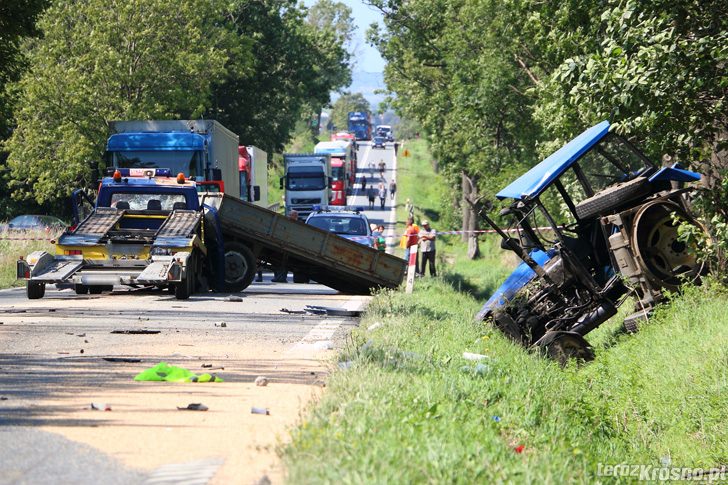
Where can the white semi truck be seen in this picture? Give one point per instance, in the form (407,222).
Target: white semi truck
(307,181)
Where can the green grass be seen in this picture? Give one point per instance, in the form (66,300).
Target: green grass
(408,408)
(11,249)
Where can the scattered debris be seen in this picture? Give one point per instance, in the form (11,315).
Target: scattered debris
(347,364)
(264,480)
(197,406)
(221,324)
(479,369)
(257,410)
(82,351)
(122,359)
(332,312)
(261,381)
(519,448)
(64,353)
(206,366)
(374,326)
(137,332)
(472,356)
(169,373)
(294,312)
(99,406)
(497,419)
(3,398)
(186,345)
(81,335)
(233,298)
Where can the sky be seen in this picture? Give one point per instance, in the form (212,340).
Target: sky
(367,57)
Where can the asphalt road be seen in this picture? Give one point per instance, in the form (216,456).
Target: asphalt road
(58,355)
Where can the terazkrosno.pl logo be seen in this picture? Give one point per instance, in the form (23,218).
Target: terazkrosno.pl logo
(663,473)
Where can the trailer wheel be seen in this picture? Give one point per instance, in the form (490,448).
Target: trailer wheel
(80,289)
(564,346)
(95,290)
(34,291)
(240,266)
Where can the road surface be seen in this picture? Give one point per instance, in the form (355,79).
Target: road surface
(58,355)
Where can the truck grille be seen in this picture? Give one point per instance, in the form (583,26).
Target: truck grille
(306,201)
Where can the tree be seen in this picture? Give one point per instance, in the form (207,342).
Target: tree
(344,104)
(99,61)
(295,68)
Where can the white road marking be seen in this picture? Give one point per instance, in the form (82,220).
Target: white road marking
(318,337)
(192,473)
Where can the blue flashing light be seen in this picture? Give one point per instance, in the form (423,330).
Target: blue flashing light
(140,172)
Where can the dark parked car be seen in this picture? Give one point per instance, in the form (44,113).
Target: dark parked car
(34,222)
(594,223)
(379,142)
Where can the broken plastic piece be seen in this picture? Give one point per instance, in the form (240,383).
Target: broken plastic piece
(197,406)
(261,381)
(256,410)
(99,406)
(472,356)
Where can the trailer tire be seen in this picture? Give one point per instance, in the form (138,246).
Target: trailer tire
(34,291)
(95,290)
(80,289)
(240,266)
(603,202)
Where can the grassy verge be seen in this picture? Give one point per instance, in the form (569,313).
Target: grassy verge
(406,406)
(11,249)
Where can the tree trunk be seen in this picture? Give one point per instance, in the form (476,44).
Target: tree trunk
(470,214)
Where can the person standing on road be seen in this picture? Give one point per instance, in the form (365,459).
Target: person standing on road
(427,246)
(392,189)
(280,273)
(382,196)
(382,168)
(363,183)
(371,195)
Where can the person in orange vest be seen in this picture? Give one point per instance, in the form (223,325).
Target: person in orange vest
(411,234)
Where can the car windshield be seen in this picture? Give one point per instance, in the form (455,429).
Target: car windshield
(185,161)
(24,221)
(354,225)
(141,201)
(305,178)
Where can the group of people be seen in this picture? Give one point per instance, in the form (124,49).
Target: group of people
(425,237)
(381,190)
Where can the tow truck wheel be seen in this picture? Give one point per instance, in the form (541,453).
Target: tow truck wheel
(186,287)
(240,266)
(35,291)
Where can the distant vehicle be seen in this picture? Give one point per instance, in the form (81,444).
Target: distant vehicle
(350,224)
(30,222)
(343,167)
(359,123)
(379,142)
(307,181)
(385,131)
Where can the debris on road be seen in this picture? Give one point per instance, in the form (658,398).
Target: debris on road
(221,324)
(233,298)
(122,359)
(197,406)
(99,406)
(292,312)
(331,311)
(163,372)
(261,381)
(206,366)
(256,410)
(136,332)
(323,345)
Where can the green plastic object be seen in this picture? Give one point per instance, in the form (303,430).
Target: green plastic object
(170,373)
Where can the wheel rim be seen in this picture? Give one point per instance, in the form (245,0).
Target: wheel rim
(236,267)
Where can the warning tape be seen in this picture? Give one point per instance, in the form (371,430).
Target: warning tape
(449,233)
(3,238)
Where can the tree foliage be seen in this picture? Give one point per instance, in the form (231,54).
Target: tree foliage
(343,105)
(255,65)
